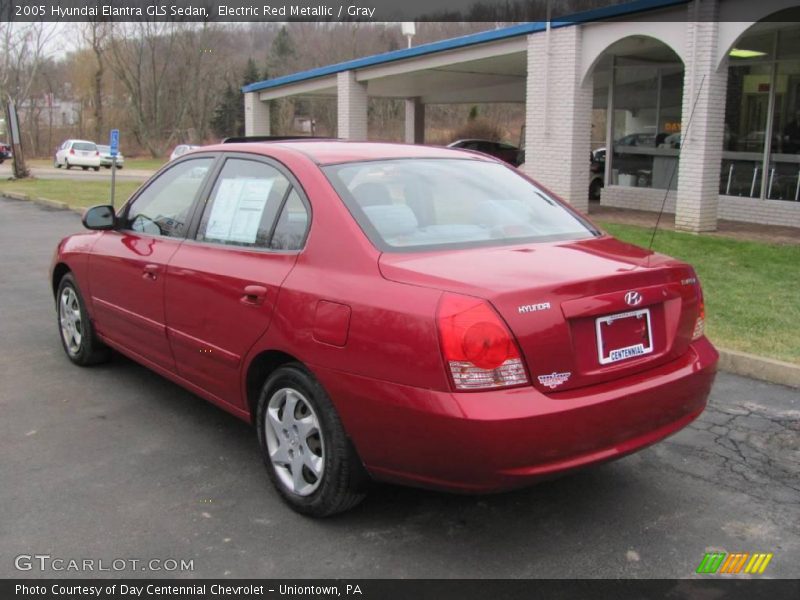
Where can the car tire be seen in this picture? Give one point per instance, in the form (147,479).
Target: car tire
(96,169)
(75,328)
(85,168)
(595,188)
(67,166)
(331,478)
(107,166)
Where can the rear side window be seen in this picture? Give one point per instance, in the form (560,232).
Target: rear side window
(431,203)
(290,231)
(164,207)
(247,197)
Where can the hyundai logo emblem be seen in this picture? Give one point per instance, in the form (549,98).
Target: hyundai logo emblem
(633,298)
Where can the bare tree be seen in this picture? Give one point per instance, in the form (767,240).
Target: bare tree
(21,50)
(95,34)
(149,62)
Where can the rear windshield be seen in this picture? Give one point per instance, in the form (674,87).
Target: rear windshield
(407,204)
(104,148)
(84,146)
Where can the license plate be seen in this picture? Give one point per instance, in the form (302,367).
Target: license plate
(624,335)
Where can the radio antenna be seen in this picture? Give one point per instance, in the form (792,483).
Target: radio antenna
(684,140)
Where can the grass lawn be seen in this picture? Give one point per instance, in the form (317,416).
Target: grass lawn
(72,191)
(752,290)
(143,164)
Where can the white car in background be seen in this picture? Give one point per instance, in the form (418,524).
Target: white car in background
(106,159)
(181,150)
(77,153)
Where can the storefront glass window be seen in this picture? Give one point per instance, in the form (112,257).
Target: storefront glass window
(648,90)
(761,152)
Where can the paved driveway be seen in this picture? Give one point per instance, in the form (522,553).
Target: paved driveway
(115,462)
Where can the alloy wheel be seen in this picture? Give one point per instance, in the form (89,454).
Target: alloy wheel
(69,316)
(294,441)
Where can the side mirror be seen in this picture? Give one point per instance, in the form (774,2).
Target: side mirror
(99,217)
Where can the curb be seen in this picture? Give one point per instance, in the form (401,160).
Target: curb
(758,367)
(56,204)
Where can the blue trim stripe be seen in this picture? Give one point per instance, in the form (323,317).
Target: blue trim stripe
(607,12)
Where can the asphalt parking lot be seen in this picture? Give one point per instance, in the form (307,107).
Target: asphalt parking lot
(116,462)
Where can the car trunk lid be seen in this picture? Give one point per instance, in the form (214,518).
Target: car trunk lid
(565,303)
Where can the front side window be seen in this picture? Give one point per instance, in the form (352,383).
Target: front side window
(246,198)
(432,203)
(164,207)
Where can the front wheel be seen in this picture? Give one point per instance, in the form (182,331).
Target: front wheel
(96,168)
(310,459)
(77,333)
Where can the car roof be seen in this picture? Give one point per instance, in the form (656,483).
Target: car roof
(81,142)
(326,152)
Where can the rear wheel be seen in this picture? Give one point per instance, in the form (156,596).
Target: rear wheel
(85,168)
(96,168)
(310,459)
(595,188)
(67,166)
(77,333)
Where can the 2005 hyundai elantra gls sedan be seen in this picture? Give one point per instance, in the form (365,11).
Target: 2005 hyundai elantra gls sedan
(401,313)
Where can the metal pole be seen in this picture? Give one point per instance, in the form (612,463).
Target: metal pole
(770,116)
(730,176)
(610,125)
(113,178)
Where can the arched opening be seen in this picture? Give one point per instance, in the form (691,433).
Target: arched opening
(761,142)
(637,110)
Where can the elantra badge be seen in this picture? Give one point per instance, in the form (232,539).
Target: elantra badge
(553,380)
(633,298)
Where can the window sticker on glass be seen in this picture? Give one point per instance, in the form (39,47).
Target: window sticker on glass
(237,210)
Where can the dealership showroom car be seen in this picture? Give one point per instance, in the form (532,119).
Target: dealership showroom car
(106,160)
(410,314)
(77,153)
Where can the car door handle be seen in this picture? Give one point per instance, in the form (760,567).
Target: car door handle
(254,294)
(150,272)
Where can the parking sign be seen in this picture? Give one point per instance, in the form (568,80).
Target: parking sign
(113,142)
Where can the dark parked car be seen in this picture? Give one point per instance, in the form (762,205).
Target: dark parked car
(412,314)
(5,152)
(505,152)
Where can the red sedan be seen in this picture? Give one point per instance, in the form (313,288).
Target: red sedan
(392,312)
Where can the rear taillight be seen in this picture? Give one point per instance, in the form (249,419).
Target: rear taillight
(72,151)
(97,153)
(479,350)
(700,322)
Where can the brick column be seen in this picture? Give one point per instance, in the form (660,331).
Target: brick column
(558,115)
(256,115)
(415,121)
(701,150)
(352,107)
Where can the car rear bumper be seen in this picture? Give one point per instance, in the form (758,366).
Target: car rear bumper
(84,161)
(499,440)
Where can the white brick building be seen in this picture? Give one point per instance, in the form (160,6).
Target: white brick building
(699,97)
